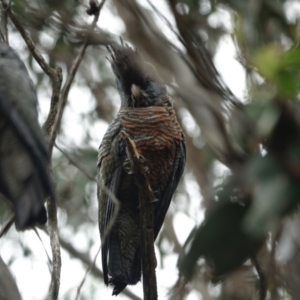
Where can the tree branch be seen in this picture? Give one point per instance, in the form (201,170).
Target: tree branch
(75,164)
(31,46)
(52,125)
(54,74)
(73,71)
(262,279)
(146,216)
(55,247)
(86,273)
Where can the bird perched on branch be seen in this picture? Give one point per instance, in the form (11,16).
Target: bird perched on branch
(25,180)
(147,117)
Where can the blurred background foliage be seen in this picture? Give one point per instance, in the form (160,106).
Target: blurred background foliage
(234,219)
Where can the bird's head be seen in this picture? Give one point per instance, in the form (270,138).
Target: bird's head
(135,79)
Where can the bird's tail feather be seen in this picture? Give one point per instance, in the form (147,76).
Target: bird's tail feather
(123,269)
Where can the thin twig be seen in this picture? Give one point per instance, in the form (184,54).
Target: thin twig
(262,279)
(7,226)
(84,258)
(107,230)
(74,163)
(71,76)
(54,74)
(111,196)
(272,271)
(86,273)
(39,237)
(2,37)
(31,46)
(111,223)
(103,187)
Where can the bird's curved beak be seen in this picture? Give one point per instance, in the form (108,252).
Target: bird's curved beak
(137,92)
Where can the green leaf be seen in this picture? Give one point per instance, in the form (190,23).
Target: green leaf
(222,241)
(292,58)
(287,83)
(274,194)
(268,60)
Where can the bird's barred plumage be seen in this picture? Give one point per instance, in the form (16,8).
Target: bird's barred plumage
(147,117)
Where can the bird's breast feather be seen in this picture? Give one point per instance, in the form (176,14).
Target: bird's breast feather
(151,128)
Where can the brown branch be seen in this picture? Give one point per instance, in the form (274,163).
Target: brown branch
(5,35)
(146,217)
(206,71)
(262,279)
(272,268)
(54,74)
(71,76)
(2,37)
(55,247)
(31,46)
(53,123)
(51,126)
